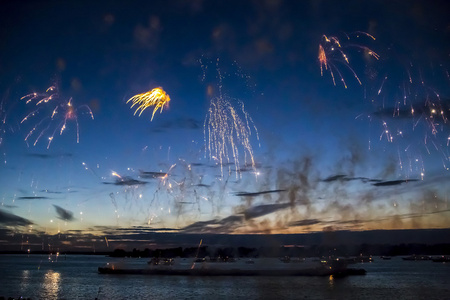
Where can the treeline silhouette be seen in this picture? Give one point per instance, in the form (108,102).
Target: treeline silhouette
(294,251)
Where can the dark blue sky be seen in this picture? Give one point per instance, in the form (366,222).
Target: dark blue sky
(369,156)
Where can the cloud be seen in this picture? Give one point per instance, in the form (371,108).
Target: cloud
(306,222)
(202,185)
(9,206)
(64,214)
(179,123)
(231,223)
(122,232)
(248,167)
(13,220)
(342,177)
(32,198)
(378,182)
(418,215)
(49,156)
(128,181)
(221,226)
(413,110)
(265,209)
(393,182)
(57,192)
(257,193)
(196,164)
(151,175)
(335,178)
(353,223)
(200,226)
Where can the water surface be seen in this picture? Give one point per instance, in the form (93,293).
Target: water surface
(76,277)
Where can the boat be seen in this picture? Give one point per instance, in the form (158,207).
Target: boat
(364,259)
(164,261)
(234,267)
(358,259)
(443,258)
(417,257)
(386,257)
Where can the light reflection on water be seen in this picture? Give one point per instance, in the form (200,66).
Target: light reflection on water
(331,282)
(51,284)
(25,279)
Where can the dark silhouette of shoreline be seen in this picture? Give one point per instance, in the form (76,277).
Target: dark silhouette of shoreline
(292,251)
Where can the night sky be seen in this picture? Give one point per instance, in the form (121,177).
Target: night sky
(254,140)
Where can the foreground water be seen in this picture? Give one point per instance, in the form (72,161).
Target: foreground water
(76,277)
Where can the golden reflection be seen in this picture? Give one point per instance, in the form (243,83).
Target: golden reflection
(52,281)
(25,279)
(331,281)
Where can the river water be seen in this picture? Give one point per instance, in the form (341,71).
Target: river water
(76,277)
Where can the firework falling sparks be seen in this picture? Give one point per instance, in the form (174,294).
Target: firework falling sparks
(172,188)
(56,121)
(3,116)
(331,52)
(413,115)
(157,97)
(225,131)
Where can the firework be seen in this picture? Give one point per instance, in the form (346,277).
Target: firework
(3,115)
(157,97)
(168,184)
(7,105)
(332,52)
(62,111)
(226,130)
(413,115)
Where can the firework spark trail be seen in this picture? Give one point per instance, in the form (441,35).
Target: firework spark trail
(176,192)
(7,114)
(169,192)
(228,128)
(157,97)
(225,131)
(87,168)
(196,255)
(131,193)
(419,112)
(43,97)
(114,202)
(62,112)
(3,115)
(167,184)
(331,51)
(357,33)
